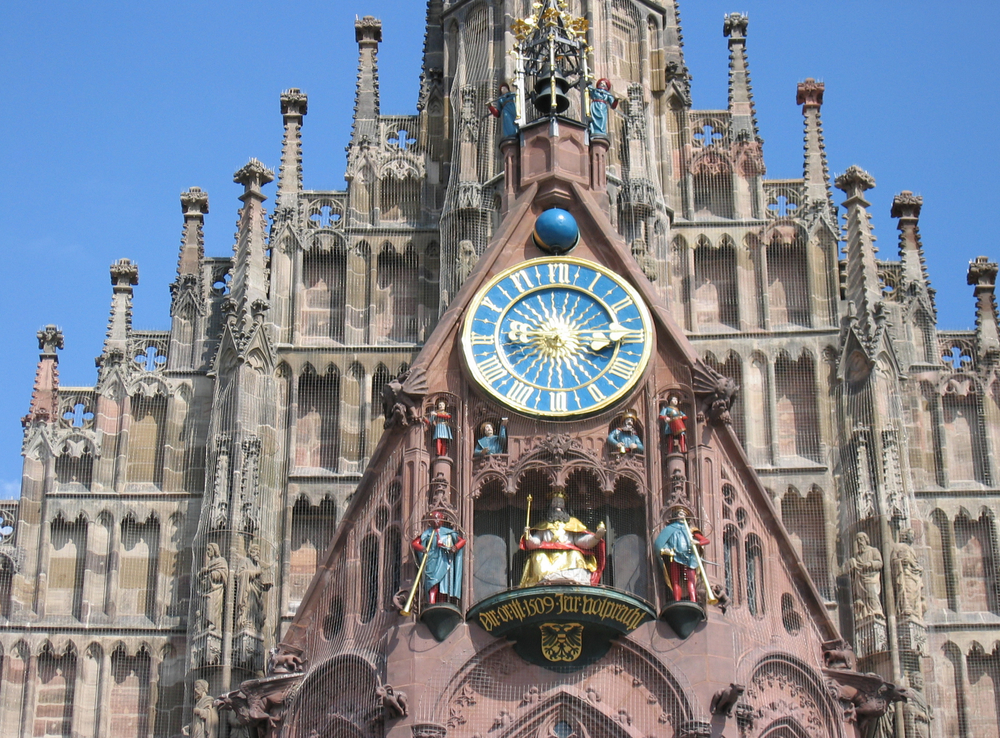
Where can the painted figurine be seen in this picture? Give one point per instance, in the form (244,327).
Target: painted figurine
(677,544)
(505,108)
(674,426)
(625,438)
(443,572)
(562,550)
(491,442)
(440,423)
(601,100)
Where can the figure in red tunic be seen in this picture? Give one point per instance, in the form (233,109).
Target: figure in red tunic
(674,426)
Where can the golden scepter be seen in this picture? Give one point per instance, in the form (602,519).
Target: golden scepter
(407,608)
(710,597)
(527,522)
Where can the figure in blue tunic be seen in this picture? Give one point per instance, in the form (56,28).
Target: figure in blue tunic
(442,576)
(601,100)
(505,108)
(676,545)
(491,442)
(625,438)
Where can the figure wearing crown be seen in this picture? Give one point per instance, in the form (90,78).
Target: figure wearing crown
(561,550)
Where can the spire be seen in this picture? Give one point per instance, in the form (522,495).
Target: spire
(983,276)
(741,106)
(815,172)
(906,207)
(863,288)
(294,105)
(368,32)
(432,72)
(249,283)
(124,276)
(45,394)
(194,205)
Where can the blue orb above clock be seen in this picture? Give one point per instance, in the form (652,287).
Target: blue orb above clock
(556,231)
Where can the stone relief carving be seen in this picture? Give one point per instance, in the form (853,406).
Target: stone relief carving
(865,568)
(205,720)
(908,578)
(252,582)
(212,578)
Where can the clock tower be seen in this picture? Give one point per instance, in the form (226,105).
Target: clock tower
(559,533)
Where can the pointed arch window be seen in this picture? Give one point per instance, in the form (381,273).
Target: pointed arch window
(323,297)
(317,427)
(755,575)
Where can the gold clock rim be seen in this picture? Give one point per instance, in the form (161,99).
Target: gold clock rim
(640,303)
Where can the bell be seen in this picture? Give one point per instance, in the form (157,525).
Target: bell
(550,92)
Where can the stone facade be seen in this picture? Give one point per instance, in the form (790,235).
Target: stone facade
(177,519)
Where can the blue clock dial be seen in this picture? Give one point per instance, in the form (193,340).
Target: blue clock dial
(557,337)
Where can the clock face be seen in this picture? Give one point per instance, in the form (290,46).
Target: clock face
(557,337)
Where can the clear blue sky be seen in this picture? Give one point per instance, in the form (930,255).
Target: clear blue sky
(112,109)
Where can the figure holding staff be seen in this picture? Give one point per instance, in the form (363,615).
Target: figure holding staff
(439,553)
(678,545)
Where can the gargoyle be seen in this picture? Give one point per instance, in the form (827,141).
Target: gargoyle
(725,700)
(393,701)
(283,663)
(714,391)
(868,695)
(838,654)
(402,396)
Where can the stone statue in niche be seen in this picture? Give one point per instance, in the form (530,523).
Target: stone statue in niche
(491,441)
(625,438)
(252,583)
(442,545)
(562,550)
(505,108)
(213,578)
(865,568)
(439,422)
(908,576)
(679,544)
(674,425)
(601,103)
(467,259)
(205,718)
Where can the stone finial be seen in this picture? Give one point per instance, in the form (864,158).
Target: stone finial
(855,182)
(368,29)
(906,205)
(253,176)
(124,273)
(735,25)
(294,102)
(810,93)
(50,338)
(194,202)
(982,272)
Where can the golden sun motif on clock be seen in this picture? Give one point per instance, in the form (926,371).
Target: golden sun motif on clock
(557,337)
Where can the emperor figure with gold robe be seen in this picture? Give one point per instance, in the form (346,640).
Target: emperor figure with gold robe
(561,550)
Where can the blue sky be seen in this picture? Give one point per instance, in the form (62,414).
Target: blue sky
(112,109)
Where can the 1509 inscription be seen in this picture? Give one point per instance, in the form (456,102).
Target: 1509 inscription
(626,617)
